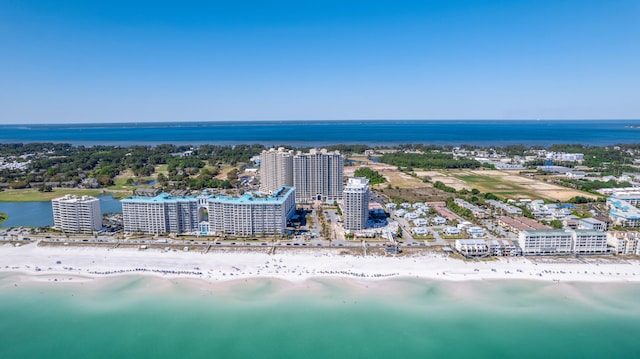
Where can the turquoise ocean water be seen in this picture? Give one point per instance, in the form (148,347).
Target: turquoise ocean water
(135,317)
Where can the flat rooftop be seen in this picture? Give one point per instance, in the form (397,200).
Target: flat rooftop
(278,196)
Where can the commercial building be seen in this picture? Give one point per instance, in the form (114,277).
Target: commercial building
(565,157)
(356,204)
(75,214)
(276,169)
(252,214)
(249,214)
(623,212)
(318,175)
(631,197)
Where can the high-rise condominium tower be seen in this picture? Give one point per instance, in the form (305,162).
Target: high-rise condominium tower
(317,175)
(356,203)
(276,169)
(75,214)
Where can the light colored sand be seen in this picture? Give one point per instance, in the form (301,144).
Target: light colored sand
(81,264)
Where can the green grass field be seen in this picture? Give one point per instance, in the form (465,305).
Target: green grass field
(490,183)
(120,182)
(161,169)
(30,195)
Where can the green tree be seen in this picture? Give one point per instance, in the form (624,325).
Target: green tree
(556,224)
(373,176)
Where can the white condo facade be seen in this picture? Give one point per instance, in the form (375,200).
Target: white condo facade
(75,214)
(545,242)
(356,204)
(624,242)
(318,175)
(249,214)
(276,169)
(589,241)
(558,242)
(161,214)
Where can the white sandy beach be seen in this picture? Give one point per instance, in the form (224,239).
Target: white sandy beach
(63,264)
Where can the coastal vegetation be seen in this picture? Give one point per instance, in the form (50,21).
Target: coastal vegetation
(428,172)
(373,176)
(347,149)
(427,161)
(459,210)
(62,165)
(443,187)
(3,217)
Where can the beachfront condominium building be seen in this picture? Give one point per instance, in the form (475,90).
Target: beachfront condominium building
(161,214)
(472,247)
(545,242)
(276,169)
(75,214)
(589,241)
(550,242)
(252,214)
(249,214)
(318,176)
(356,204)
(624,242)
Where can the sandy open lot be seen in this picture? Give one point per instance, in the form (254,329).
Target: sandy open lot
(503,183)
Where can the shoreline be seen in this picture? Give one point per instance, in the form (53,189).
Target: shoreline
(78,264)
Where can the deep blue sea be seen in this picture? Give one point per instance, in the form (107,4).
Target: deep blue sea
(316,133)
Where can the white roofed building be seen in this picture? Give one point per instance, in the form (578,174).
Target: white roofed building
(75,214)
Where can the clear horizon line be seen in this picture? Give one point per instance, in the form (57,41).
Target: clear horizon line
(321,120)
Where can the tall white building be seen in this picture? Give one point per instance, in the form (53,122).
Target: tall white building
(356,204)
(276,169)
(161,214)
(318,175)
(75,214)
(250,214)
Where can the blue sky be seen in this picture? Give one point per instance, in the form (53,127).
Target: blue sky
(125,60)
